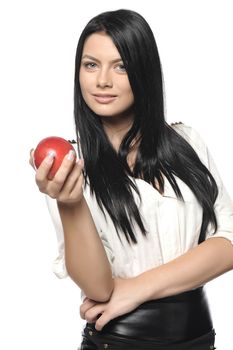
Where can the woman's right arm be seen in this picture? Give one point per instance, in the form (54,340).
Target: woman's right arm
(86,260)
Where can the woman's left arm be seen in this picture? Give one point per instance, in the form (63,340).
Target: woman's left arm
(191,270)
(199,265)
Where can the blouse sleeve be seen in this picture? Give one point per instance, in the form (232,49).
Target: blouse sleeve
(223,205)
(59,267)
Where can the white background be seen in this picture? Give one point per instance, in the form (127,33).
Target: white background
(38,43)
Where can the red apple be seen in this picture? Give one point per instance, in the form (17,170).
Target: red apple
(56,144)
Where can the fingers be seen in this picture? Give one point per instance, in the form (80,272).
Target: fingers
(92,314)
(103,320)
(67,183)
(86,305)
(65,167)
(58,181)
(31,159)
(73,178)
(43,171)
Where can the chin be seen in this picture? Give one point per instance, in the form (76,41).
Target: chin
(107,112)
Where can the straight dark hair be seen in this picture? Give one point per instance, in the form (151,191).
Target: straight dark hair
(162,151)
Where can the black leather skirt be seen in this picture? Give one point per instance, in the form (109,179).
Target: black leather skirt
(180,322)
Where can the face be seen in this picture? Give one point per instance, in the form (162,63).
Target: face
(103,79)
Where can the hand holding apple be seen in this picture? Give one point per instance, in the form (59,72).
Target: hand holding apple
(58,146)
(57,172)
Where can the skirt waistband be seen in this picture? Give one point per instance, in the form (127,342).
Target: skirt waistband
(169,320)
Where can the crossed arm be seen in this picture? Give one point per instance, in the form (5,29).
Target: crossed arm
(191,270)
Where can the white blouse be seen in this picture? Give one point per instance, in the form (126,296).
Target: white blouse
(173,226)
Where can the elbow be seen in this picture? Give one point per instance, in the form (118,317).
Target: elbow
(109,291)
(99,290)
(100,294)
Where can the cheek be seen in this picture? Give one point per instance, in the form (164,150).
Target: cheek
(86,87)
(129,96)
(82,83)
(127,91)
(85,82)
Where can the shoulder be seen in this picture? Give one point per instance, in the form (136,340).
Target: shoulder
(184,129)
(193,137)
(188,132)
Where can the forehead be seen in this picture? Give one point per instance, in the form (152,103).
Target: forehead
(100,44)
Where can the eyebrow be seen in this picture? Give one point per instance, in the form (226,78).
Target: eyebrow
(96,59)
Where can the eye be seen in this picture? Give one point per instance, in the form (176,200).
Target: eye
(121,68)
(90,65)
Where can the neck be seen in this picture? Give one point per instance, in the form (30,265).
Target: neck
(116,128)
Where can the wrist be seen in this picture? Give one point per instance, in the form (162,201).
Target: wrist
(152,284)
(142,289)
(69,205)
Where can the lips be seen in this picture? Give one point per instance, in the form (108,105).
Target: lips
(104,98)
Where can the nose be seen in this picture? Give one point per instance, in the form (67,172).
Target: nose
(104,78)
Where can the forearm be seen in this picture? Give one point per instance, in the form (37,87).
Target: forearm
(189,271)
(86,260)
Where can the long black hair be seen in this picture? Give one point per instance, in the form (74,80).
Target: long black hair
(161,152)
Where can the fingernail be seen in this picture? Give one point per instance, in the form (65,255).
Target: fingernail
(81,162)
(71,155)
(50,157)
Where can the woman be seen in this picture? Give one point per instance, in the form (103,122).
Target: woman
(135,214)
